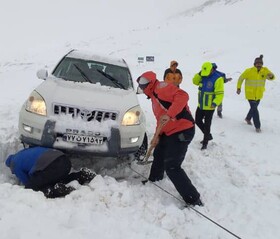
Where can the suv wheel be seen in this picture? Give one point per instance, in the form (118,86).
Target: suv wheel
(142,151)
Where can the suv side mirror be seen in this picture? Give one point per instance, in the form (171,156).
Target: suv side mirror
(42,74)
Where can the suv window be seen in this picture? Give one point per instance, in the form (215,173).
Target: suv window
(80,70)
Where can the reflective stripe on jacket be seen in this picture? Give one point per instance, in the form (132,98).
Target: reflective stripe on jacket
(254,82)
(210,90)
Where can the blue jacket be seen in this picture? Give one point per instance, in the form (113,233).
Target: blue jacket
(210,90)
(28,161)
(222,74)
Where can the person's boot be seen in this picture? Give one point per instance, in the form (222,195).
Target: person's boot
(198,202)
(144,181)
(85,176)
(204,146)
(205,141)
(210,137)
(58,190)
(248,121)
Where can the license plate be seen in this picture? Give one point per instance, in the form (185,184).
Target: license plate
(83,139)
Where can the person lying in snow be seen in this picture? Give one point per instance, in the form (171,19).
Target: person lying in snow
(46,170)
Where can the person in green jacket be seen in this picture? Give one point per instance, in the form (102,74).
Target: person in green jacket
(255,78)
(210,94)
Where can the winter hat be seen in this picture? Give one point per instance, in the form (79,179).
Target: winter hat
(206,69)
(259,60)
(173,63)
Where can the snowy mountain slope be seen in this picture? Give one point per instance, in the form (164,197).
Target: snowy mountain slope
(238,176)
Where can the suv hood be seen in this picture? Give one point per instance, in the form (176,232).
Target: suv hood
(86,95)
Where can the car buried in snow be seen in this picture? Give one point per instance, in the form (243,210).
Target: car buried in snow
(87,104)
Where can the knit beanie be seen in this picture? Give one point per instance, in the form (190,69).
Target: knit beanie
(173,63)
(259,60)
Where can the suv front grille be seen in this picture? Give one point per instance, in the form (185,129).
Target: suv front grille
(86,115)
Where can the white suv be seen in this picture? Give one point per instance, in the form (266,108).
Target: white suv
(87,104)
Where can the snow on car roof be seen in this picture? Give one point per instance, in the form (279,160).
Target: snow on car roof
(96,57)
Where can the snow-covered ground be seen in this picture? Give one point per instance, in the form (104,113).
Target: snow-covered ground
(238,175)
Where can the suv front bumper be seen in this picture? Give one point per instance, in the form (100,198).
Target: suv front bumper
(44,134)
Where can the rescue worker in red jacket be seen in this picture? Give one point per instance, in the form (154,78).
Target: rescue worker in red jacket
(172,113)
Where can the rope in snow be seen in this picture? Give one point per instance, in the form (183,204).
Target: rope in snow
(188,206)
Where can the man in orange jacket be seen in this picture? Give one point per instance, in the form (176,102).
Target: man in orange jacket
(173,74)
(172,113)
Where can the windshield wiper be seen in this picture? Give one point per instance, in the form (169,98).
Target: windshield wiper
(83,73)
(111,78)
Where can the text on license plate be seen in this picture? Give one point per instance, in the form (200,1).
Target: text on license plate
(83,139)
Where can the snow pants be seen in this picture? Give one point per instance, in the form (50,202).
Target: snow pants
(57,171)
(203,119)
(254,113)
(168,156)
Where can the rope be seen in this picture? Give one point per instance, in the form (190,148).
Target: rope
(188,206)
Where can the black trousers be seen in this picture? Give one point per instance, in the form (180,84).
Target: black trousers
(168,156)
(203,119)
(254,113)
(57,171)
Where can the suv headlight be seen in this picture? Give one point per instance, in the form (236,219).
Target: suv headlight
(132,116)
(36,104)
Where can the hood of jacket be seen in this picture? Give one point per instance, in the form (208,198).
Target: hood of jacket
(152,78)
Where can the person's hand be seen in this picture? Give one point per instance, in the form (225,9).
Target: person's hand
(164,119)
(213,105)
(229,79)
(238,91)
(270,76)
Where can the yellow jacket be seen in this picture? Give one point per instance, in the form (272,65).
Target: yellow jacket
(210,90)
(254,82)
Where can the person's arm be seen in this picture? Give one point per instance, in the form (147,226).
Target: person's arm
(197,79)
(227,80)
(241,78)
(270,75)
(219,92)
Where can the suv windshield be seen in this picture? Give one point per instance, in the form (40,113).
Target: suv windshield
(80,70)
